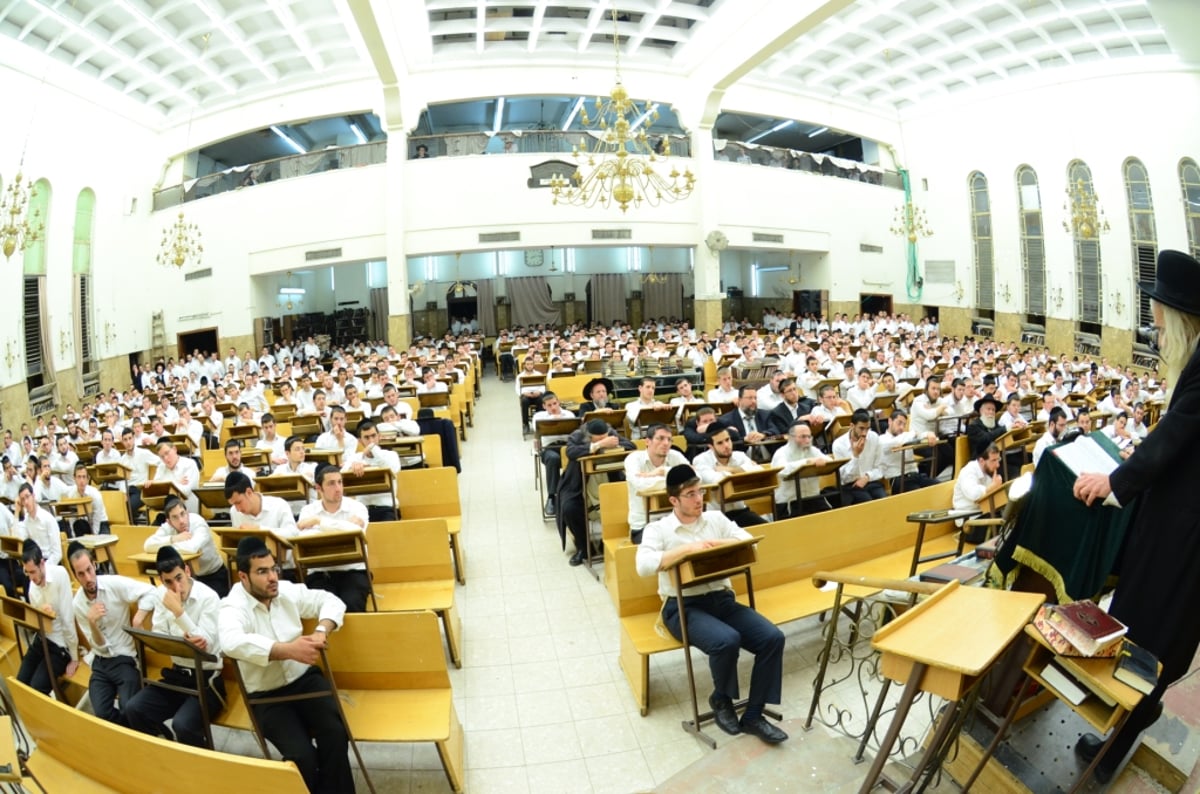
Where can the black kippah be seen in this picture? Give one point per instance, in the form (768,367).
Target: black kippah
(597,427)
(252,546)
(170,554)
(678,475)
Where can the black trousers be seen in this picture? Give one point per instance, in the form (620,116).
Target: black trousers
(34,670)
(721,627)
(381,513)
(911,482)
(353,587)
(293,727)
(870,491)
(135,502)
(113,678)
(218,580)
(745,517)
(153,706)
(552,462)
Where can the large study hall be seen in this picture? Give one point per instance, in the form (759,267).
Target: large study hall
(599,395)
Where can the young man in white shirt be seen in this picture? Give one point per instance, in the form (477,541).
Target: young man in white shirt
(725,391)
(334,511)
(720,461)
(297,465)
(898,435)
(233,462)
(96,521)
(863,472)
(138,460)
(187,608)
(49,590)
(189,533)
(102,612)
(337,437)
(180,471)
(47,488)
(38,524)
(380,506)
(259,625)
(646,470)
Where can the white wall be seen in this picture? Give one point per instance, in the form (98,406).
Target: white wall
(1100,121)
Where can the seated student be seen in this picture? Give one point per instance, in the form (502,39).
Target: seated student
(646,470)
(296,464)
(332,510)
(718,463)
(792,456)
(233,462)
(50,591)
(645,399)
(976,478)
(259,626)
(717,624)
(337,437)
(188,533)
(37,523)
(188,608)
(863,472)
(101,608)
(898,435)
(180,470)
(547,447)
(1056,428)
(380,506)
(725,391)
(271,441)
(594,438)
(97,519)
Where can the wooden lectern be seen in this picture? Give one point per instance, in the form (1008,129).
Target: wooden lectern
(331,547)
(373,481)
(745,485)
(108,473)
(227,539)
(29,617)
(170,646)
(288,487)
(701,567)
(155,494)
(816,471)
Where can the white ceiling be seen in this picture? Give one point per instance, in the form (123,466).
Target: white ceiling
(172,55)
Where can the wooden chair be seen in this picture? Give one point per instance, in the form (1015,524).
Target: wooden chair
(433,493)
(155,652)
(391,670)
(132,540)
(412,572)
(113,754)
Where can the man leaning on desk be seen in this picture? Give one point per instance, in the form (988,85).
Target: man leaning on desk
(717,624)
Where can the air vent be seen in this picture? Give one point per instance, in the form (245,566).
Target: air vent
(867,248)
(939,271)
(764,237)
(195,275)
(324,253)
(612,234)
(499,237)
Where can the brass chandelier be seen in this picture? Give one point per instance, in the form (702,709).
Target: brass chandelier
(910,221)
(622,163)
(181,243)
(1085,216)
(19,224)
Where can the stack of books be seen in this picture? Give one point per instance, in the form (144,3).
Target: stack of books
(1080,629)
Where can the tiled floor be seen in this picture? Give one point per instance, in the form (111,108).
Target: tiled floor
(541,697)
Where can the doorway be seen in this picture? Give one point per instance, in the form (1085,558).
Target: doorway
(204,340)
(873,304)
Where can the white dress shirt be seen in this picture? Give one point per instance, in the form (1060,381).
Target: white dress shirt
(379,458)
(185,476)
(139,462)
(201,542)
(247,630)
(666,533)
(869,464)
(971,485)
(791,458)
(275,514)
(42,527)
(706,466)
(346,445)
(635,464)
(199,619)
(55,592)
(116,593)
(342,518)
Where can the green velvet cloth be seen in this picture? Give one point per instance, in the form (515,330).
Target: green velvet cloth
(1075,547)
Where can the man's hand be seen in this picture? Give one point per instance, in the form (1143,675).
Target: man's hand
(181,537)
(358,521)
(755,436)
(858,445)
(608,442)
(198,642)
(172,602)
(1090,487)
(97,611)
(305,648)
(72,666)
(861,482)
(308,523)
(357,468)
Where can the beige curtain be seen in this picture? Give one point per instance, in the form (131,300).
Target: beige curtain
(609,303)
(531,301)
(377,328)
(485,292)
(664,299)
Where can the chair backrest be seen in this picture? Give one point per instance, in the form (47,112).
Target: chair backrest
(132,540)
(116,505)
(428,493)
(61,731)
(389,650)
(614,510)
(432,449)
(409,551)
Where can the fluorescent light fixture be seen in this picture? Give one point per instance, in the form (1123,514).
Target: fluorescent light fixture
(288,140)
(643,117)
(574,112)
(818,131)
(781,125)
(499,118)
(358,133)
(291,290)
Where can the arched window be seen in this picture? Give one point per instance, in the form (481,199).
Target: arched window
(1189,180)
(981,233)
(1033,242)
(1142,233)
(81,266)
(1087,248)
(39,368)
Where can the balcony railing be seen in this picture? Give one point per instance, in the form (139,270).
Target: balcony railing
(270,171)
(519,142)
(792,160)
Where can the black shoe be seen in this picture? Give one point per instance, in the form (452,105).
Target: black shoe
(724,714)
(549,508)
(1087,748)
(577,558)
(758,726)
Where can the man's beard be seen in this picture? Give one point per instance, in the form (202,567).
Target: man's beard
(988,421)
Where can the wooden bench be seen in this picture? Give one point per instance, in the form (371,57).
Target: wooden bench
(60,763)
(874,536)
(433,493)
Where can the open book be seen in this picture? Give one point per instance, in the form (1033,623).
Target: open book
(1085,456)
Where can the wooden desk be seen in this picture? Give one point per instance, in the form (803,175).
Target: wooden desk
(747,485)
(613,417)
(212,496)
(709,565)
(183,443)
(816,470)
(156,493)
(649,416)
(283,412)
(404,446)
(331,547)
(307,425)
(108,473)
(24,615)
(374,480)
(147,562)
(904,450)
(289,487)
(98,544)
(928,649)
(72,507)
(255,458)
(319,456)
(923,519)
(593,465)
(228,538)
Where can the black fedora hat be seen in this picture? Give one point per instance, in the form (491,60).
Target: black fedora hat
(988,398)
(1176,282)
(591,384)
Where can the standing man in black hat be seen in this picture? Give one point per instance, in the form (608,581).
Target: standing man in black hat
(1158,587)
(717,624)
